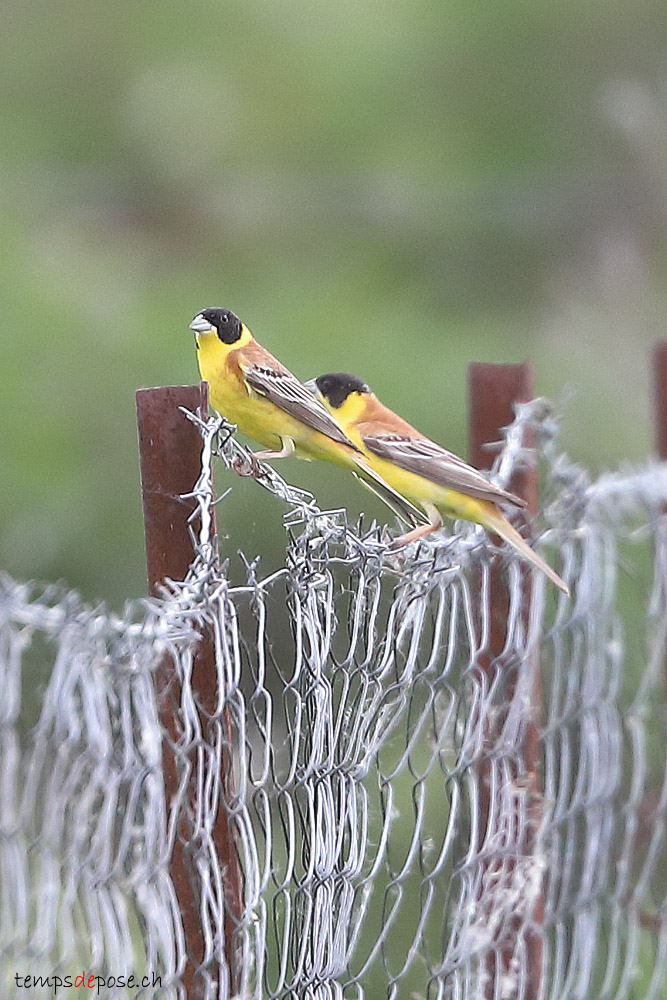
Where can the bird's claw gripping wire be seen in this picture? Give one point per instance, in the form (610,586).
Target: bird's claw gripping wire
(247,465)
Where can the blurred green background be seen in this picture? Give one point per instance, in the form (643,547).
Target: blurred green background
(393,188)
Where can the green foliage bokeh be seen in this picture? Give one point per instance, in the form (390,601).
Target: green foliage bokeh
(389,188)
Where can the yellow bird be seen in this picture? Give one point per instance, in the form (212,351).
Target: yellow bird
(420,469)
(253,390)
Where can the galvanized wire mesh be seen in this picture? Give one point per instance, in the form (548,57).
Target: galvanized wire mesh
(417,810)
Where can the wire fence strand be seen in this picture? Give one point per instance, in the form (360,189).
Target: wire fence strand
(370,758)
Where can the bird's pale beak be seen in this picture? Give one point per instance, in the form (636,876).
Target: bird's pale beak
(200,325)
(311,384)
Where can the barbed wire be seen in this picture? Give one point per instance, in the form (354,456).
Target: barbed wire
(393,836)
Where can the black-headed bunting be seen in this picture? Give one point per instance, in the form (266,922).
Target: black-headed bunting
(419,469)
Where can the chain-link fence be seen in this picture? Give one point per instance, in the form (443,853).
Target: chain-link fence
(426,798)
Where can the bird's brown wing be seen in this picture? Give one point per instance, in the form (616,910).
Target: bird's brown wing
(277,384)
(428,459)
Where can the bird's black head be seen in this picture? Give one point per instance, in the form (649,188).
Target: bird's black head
(337,386)
(222,321)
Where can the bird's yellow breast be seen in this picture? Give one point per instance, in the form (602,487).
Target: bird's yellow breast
(229,393)
(411,485)
(419,489)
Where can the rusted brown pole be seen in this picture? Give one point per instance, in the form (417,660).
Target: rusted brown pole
(660,410)
(660,396)
(492,391)
(170,448)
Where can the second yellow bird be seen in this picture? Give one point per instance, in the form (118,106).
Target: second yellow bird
(420,469)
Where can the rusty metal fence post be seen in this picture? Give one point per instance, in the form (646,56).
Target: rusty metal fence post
(170,448)
(659,373)
(660,396)
(492,392)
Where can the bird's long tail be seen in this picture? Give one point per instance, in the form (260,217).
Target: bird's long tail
(496,522)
